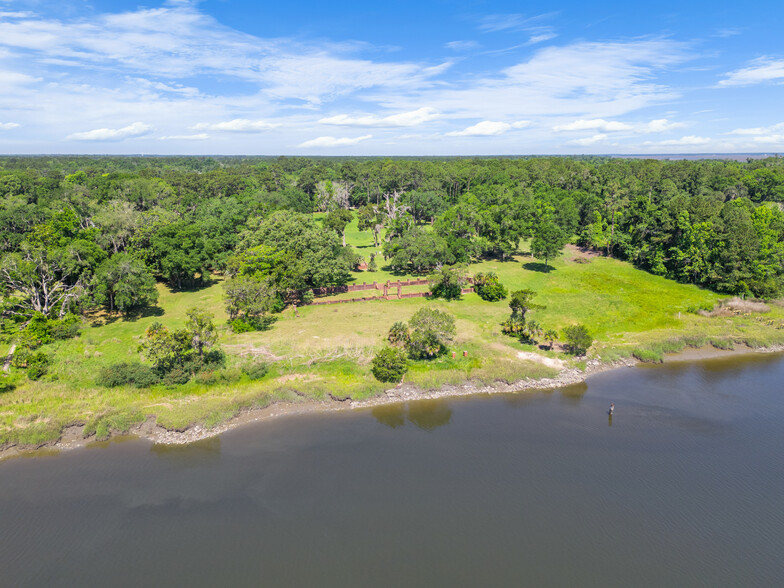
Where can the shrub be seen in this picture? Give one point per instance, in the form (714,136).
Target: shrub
(431,330)
(389,364)
(578,340)
(37,365)
(241,326)
(372,265)
(133,374)
(398,334)
(256,370)
(177,377)
(448,282)
(488,287)
(6,384)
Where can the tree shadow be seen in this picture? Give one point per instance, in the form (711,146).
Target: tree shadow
(143,312)
(538,267)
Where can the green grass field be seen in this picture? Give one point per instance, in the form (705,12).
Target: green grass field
(325,351)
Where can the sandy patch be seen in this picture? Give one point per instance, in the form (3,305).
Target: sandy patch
(550,362)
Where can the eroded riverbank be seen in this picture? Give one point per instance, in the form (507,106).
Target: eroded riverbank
(73,436)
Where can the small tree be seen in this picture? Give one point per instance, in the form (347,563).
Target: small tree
(337,221)
(124,283)
(164,349)
(431,330)
(489,287)
(398,334)
(248,300)
(448,281)
(372,265)
(201,329)
(549,239)
(550,335)
(578,340)
(389,364)
(520,303)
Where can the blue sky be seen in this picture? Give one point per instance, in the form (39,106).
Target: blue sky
(398,78)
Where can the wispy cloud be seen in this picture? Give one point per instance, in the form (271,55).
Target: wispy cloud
(462,45)
(598,124)
(660,125)
(515,22)
(334,141)
(488,128)
(534,26)
(403,119)
(196,137)
(238,125)
(760,71)
(586,141)
(136,129)
(688,140)
(5,126)
(758,130)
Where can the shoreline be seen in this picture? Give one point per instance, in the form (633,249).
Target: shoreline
(72,436)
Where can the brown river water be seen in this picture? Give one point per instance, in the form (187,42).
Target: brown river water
(684,486)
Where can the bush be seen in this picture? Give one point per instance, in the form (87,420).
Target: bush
(177,377)
(133,374)
(6,384)
(241,326)
(218,377)
(578,340)
(37,365)
(398,334)
(372,265)
(448,282)
(431,330)
(256,370)
(488,287)
(389,364)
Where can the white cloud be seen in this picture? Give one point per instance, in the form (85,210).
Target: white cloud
(488,128)
(770,139)
(178,41)
(598,124)
(334,141)
(661,125)
(462,45)
(758,130)
(761,70)
(136,129)
(512,22)
(540,38)
(9,125)
(688,140)
(404,119)
(238,125)
(197,137)
(585,141)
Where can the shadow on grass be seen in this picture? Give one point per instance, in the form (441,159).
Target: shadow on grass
(143,312)
(538,267)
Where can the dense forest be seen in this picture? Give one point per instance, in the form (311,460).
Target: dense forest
(78,233)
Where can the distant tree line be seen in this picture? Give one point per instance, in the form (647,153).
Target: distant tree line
(79,233)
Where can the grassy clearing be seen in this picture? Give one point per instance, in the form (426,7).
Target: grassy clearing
(324,353)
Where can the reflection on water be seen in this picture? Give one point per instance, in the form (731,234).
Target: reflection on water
(425,414)
(681,487)
(195,454)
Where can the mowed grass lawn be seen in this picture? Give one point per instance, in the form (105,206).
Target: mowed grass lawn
(325,351)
